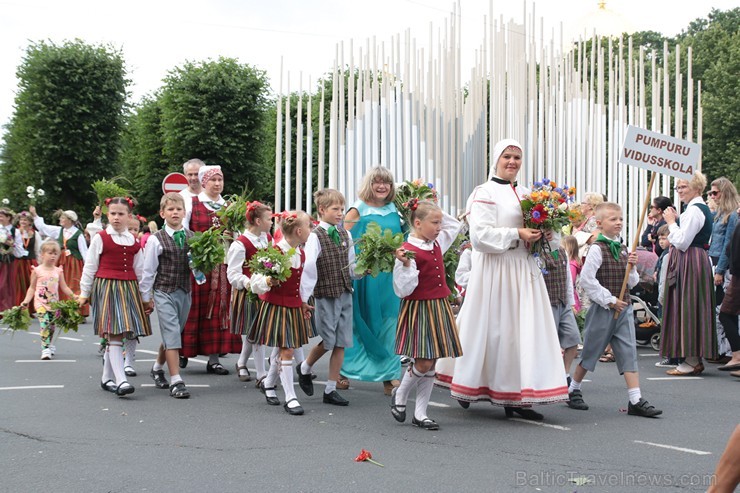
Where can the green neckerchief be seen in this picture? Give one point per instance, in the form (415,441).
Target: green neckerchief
(555,254)
(614,246)
(334,235)
(179,237)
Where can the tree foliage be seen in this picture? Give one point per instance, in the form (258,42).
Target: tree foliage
(67,123)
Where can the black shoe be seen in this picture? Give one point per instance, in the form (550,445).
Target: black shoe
(216,368)
(464,404)
(159,381)
(124,389)
(183,362)
(643,408)
(179,391)
(129,371)
(304,381)
(333,397)
(398,413)
(294,411)
(109,386)
(568,380)
(273,401)
(525,413)
(575,401)
(425,424)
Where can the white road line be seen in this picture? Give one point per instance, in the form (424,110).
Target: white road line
(649,355)
(680,449)
(155,352)
(197,385)
(31,387)
(46,361)
(432,403)
(540,423)
(676,378)
(70,338)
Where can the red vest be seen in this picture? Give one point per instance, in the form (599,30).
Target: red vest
(431,265)
(288,293)
(250,250)
(117,261)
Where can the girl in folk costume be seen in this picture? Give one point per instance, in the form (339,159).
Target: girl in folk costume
(282,317)
(207,329)
(426,325)
(243,311)
(30,241)
(110,280)
(44,285)
(8,249)
(73,244)
(510,343)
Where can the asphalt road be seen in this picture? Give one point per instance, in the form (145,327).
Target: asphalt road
(72,436)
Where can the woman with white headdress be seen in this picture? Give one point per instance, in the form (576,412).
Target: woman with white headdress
(511,355)
(71,239)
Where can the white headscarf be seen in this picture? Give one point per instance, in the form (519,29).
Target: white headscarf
(499,149)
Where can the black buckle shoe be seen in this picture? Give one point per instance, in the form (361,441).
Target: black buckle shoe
(216,368)
(464,404)
(109,386)
(304,381)
(293,411)
(179,391)
(124,389)
(129,371)
(575,401)
(524,412)
(644,409)
(183,362)
(425,424)
(334,398)
(159,381)
(398,413)
(273,401)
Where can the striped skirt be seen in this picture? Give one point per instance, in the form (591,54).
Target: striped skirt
(7,290)
(280,326)
(426,329)
(243,312)
(117,309)
(22,275)
(72,274)
(688,313)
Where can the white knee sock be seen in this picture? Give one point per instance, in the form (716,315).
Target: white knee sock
(259,359)
(130,345)
(286,378)
(410,379)
(423,393)
(246,351)
(272,375)
(107,369)
(298,355)
(115,355)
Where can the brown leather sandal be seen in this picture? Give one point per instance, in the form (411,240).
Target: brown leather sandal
(343,383)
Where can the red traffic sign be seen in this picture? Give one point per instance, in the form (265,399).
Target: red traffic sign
(174,182)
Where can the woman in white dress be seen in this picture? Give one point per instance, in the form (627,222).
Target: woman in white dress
(511,355)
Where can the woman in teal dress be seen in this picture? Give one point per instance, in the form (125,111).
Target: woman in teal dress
(373,358)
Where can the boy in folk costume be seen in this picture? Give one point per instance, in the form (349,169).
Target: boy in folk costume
(328,275)
(165,283)
(601,278)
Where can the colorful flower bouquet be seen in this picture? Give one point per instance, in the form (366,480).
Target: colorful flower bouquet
(546,208)
(271,262)
(417,189)
(16,318)
(377,250)
(66,315)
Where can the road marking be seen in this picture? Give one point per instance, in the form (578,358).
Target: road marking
(70,338)
(432,403)
(680,449)
(155,352)
(676,378)
(649,355)
(46,361)
(540,423)
(197,385)
(31,387)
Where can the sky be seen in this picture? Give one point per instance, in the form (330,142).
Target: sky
(156,36)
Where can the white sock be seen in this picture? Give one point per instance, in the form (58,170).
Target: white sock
(410,379)
(259,359)
(331,386)
(574,386)
(130,345)
(423,394)
(567,376)
(634,395)
(246,351)
(272,376)
(157,367)
(115,354)
(175,379)
(298,355)
(286,378)
(306,368)
(107,370)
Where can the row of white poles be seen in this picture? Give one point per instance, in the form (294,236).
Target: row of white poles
(407,108)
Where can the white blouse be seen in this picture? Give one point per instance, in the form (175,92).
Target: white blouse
(92,259)
(52,232)
(237,255)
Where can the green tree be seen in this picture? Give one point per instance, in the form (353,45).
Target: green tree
(66,128)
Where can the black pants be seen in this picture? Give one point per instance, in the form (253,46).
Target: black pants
(729,322)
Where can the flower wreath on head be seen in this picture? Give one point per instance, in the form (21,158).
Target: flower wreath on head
(128,201)
(412,204)
(285,215)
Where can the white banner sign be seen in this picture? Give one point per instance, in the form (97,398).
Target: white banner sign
(660,153)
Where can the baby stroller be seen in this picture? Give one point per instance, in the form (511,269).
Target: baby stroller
(644,298)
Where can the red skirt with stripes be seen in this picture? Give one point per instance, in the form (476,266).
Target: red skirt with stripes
(22,279)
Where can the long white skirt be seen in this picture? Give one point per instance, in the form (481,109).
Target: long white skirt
(511,354)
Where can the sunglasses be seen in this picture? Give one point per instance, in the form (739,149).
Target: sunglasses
(712,193)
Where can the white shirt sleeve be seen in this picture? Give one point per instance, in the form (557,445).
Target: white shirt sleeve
(258,284)
(18,250)
(405,279)
(450,228)
(45,229)
(310,274)
(139,265)
(92,261)
(188,211)
(662,277)
(152,251)
(692,220)
(462,274)
(82,246)
(485,235)
(94,227)
(571,299)
(234,266)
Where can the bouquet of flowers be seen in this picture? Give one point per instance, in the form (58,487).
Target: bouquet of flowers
(206,250)
(377,250)
(66,315)
(107,189)
(34,194)
(451,261)
(16,318)
(417,189)
(6,241)
(546,208)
